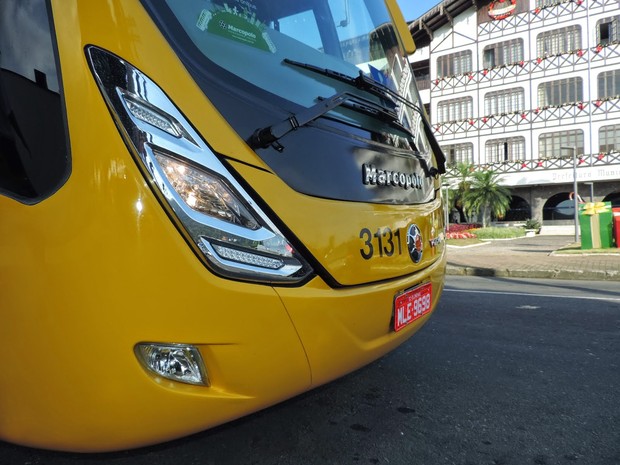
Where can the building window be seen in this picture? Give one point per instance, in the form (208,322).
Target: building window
(506,149)
(556,93)
(422,75)
(557,41)
(607,30)
(609,84)
(502,53)
(455,63)
(504,101)
(459,153)
(455,109)
(546,3)
(609,138)
(550,144)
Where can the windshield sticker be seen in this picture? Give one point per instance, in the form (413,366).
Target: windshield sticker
(381,77)
(240,25)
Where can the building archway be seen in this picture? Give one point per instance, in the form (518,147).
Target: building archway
(559,207)
(614,198)
(519,209)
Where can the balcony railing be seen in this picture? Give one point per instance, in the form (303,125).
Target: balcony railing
(546,163)
(570,113)
(569,61)
(423,84)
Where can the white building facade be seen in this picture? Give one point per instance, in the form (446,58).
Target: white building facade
(528,88)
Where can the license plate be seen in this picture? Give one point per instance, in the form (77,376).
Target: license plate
(412,305)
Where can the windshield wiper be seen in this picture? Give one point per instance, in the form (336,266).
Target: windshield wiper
(264,137)
(386,94)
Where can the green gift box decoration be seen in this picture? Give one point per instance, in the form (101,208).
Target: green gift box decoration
(596,222)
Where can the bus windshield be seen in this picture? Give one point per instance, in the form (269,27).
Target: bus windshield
(308,50)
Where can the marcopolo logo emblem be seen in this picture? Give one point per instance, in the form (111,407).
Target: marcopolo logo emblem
(414,243)
(373,176)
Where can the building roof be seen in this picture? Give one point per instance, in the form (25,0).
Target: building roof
(443,13)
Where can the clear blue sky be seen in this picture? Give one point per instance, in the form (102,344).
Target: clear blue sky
(413,9)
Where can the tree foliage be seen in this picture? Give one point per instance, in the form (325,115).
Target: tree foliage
(464,173)
(485,195)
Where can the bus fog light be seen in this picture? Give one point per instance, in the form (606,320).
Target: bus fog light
(178,362)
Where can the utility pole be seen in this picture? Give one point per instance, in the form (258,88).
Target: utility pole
(575,192)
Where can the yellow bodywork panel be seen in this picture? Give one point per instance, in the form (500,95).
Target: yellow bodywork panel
(342,330)
(99,267)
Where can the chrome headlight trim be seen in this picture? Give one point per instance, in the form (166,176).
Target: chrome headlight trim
(155,131)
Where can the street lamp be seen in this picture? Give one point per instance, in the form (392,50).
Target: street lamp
(575,194)
(446,203)
(591,184)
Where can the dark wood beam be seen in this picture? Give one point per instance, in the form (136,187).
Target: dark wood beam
(444,11)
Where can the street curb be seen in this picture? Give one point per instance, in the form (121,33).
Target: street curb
(456,270)
(450,246)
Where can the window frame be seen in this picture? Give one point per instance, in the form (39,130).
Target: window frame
(603,138)
(559,41)
(560,92)
(608,84)
(459,153)
(504,101)
(613,23)
(455,64)
(501,52)
(550,144)
(510,149)
(550,3)
(461,108)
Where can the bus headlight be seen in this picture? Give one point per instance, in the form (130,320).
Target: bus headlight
(222,222)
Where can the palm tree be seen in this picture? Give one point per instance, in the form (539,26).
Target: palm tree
(464,173)
(486,195)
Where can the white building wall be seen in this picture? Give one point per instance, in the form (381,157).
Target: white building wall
(465,34)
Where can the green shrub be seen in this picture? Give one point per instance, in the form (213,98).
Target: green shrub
(498,233)
(532,223)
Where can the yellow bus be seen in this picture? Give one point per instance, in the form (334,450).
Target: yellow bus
(206,207)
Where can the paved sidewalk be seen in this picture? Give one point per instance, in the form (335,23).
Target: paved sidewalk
(532,257)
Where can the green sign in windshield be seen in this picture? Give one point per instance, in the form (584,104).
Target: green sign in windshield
(236,24)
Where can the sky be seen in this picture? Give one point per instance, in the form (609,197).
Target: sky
(413,9)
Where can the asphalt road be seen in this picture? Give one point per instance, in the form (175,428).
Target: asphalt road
(506,372)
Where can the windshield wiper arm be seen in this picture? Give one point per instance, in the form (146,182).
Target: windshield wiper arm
(264,137)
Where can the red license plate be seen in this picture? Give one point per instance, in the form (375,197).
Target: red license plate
(411,305)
